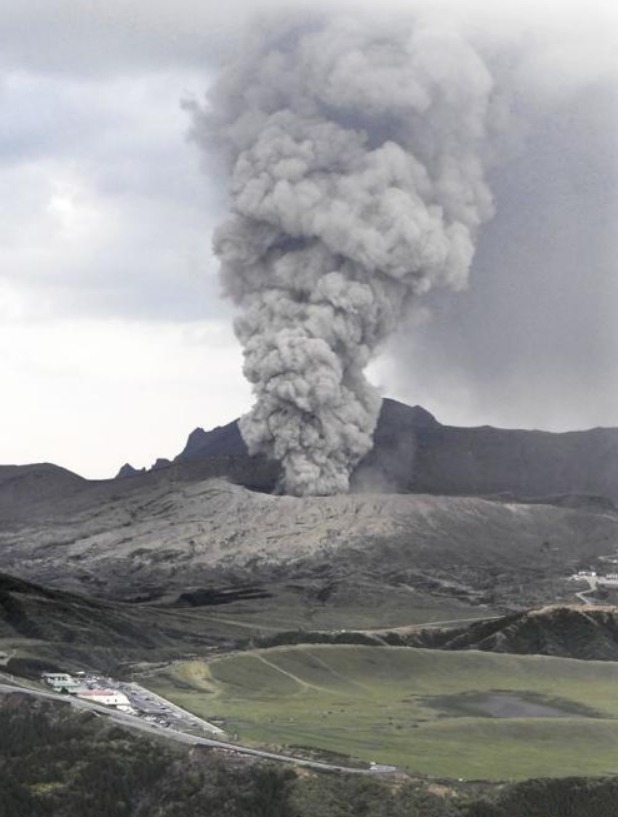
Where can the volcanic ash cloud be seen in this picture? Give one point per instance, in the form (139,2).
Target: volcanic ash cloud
(355,151)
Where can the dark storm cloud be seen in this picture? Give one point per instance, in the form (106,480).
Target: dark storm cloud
(534,339)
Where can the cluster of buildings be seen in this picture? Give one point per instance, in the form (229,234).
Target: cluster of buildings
(609,580)
(88,688)
(591,576)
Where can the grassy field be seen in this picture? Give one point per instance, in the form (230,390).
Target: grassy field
(363,606)
(421,710)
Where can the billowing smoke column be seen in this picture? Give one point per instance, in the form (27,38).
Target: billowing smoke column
(357,184)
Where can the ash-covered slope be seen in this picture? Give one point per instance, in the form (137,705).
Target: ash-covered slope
(191,522)
(589,633)
(414,453)
(163,532)
(22,486)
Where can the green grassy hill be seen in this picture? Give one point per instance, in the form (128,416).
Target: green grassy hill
(471,714)
(56,761)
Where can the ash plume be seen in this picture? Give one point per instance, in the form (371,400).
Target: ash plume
(355,149)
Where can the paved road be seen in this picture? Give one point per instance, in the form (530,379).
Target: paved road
(182,737)
(592,586)
(409,628)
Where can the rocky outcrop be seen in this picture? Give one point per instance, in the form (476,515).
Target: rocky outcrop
(221,441)
(127,470)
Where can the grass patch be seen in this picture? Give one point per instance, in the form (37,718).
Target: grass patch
(411,708)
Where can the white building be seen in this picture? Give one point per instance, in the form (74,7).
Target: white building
(127,709)
(61,681)
(106,697)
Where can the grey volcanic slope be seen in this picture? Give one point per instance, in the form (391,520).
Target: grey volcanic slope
(221,441)
(415,453)
(177,527)
(589,633)
(23,485)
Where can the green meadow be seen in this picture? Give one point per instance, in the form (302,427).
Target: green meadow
(429,712)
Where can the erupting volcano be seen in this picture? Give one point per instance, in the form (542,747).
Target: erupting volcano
(357,153)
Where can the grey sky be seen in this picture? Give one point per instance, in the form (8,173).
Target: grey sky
(533,340)
(114,342)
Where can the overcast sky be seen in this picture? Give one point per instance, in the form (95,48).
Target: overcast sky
(114,342)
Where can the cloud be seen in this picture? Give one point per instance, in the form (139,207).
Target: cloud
(104,209)
(106,221)
(117,37)
(91,395)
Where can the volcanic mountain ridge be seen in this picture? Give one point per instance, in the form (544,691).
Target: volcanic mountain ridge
(504,514)
(414,453)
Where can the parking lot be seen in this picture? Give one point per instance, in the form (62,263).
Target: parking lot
(148,705)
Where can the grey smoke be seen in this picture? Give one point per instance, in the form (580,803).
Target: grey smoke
(357,152)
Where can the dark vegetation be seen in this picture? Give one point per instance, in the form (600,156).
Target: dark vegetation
(566,797)
(58,763)
(55,763)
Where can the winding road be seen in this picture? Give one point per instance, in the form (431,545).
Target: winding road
(134,722)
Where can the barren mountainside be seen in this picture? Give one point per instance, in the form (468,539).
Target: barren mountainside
(160,532)
(491,508)
(414,453)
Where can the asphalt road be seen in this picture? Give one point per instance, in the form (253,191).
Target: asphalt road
(133,722)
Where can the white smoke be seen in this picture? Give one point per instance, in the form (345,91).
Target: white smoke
(356,152)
